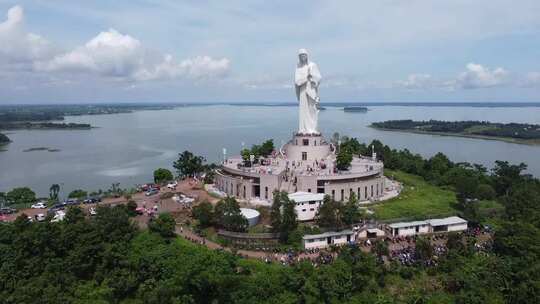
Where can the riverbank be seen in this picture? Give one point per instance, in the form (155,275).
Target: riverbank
(530,142)
(44,126)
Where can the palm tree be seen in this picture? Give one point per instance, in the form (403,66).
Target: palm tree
(53,192)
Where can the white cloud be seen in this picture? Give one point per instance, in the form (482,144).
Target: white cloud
(17,45)
(417,82)
(113,54)
(196,68)
(110,54)
(478,76)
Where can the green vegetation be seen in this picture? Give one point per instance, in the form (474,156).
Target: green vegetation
(162,175)
(163,225)
(258,151)
(225,215)
(355,109)
(188,164)
(344,159)
(106,259)
(336,215)
(418,199)
(23,197)
(283,216)
(78,193)
(523,132)
(26,113)
(204,214)
(54,190)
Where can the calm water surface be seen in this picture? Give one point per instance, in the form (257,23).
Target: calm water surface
(126,148)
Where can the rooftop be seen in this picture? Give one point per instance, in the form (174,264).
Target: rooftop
(453,220)
(300,197)
(276,165)
(407,224)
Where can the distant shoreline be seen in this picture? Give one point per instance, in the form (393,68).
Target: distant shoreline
(532,142)
(44,126)
(132,107)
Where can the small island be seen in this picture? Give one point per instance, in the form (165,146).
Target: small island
(43,126)
(509,132)
(355,109)
(42,149)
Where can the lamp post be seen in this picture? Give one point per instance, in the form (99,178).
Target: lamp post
(224,155)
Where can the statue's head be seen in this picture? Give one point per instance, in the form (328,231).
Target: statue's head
(303,56)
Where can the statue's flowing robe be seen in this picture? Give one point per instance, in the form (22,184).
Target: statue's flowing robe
(307,93)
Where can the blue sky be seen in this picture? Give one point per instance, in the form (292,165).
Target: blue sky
(245,51)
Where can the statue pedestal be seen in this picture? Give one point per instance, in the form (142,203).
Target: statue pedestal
(307,147)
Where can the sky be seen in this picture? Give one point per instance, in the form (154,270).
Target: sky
(245,51)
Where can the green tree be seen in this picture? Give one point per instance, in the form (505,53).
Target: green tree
(267,148)
(2,199)
(381,248)
(506,175)
(485,192)
(188,164)
(288,217)
(350,212)
(245,156)
(228,215)
(54,190)
(78,193)
(23,195)
(275,212)
(162,175)
(131,207)
(74,215)
(424,249)
(163,225)
(328,215)
(204,213)
(344,159)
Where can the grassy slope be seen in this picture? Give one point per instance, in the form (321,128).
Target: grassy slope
(418,200)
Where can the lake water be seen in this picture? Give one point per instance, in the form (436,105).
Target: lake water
(126,148)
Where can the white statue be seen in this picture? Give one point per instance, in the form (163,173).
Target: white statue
(306,79)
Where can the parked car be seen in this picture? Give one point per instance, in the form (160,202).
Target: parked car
(92,200)
(57,207)
(7,210)
(152,191)
(172,185)
(72,202)
(147,187)
(93,211)
(140,211)
(39,205)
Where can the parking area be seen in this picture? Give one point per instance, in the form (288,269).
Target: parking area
(189,188)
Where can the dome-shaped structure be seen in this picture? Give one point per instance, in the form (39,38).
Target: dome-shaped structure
(251,215)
